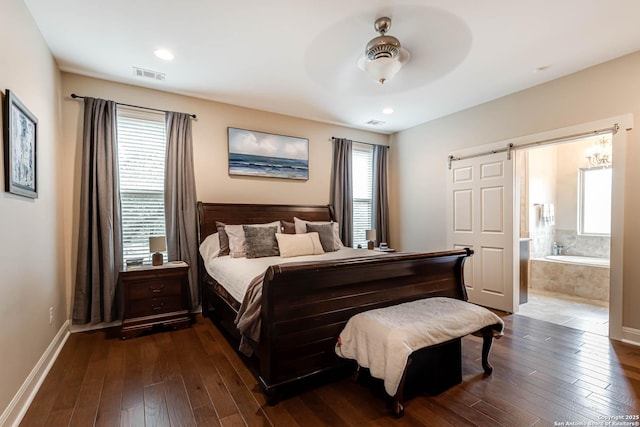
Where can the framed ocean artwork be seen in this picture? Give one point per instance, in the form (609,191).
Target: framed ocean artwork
(253,153)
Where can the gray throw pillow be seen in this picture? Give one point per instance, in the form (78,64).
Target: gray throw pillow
(224,239)
(325,231)
(260,241)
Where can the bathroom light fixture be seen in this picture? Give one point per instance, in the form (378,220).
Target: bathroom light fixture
(600,154)
(387,110)
(383,56)
(163,54)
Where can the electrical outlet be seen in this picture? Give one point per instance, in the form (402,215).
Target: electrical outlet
(51,315)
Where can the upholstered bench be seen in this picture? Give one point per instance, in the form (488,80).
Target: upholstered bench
(389,340)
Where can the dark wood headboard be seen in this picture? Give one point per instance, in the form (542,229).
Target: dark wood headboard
(234,213)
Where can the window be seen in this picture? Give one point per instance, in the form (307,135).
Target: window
(362,164)
(141,158)
(595,201)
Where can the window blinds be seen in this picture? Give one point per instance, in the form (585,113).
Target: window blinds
(362,164)
(141,161)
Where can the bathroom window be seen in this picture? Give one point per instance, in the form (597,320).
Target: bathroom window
(595,201)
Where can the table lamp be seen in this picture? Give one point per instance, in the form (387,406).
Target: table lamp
(371,237)
(157,244)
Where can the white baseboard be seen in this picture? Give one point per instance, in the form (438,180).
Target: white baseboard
(13,414)
(631,335)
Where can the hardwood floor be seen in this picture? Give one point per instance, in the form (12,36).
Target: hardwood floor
(544,373)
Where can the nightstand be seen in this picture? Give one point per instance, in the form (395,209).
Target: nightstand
(154,296)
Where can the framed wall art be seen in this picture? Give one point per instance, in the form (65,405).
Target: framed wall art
(260,154)
(20,143)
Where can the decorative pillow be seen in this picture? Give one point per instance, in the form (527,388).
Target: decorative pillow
(301,227)
(291,245)
(260,242)
(288,227)
(236,237)
(210,247)
(325,232)
(224,239)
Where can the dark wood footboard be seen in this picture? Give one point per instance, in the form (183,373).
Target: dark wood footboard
(305,306)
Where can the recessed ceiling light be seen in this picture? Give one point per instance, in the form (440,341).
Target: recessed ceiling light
(387,110)
(163,54)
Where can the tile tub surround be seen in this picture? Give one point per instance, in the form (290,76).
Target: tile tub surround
(583,245)
(584,281)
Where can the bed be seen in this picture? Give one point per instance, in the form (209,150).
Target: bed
(304,305)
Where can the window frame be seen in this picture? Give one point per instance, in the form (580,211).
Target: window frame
(368,149)
(153,134)
(581,200)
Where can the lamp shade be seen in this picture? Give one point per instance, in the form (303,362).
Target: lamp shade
(157,244)
(370,235)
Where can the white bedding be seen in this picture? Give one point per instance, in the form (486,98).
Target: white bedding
(236,274)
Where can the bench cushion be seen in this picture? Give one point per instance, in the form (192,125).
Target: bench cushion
(382,339)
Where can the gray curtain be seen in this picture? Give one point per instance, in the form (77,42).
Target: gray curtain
(380,195)
(180,199)
(342,188)
(100,236)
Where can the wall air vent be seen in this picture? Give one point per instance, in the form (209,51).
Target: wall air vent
(375,122)
(148,74)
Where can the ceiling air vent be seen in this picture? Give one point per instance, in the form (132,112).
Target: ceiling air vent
(148,74)
(375,122)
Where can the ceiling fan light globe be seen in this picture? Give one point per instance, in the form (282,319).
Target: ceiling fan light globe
(382,69)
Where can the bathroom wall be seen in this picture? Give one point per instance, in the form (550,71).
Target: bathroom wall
(554,178)
(570,158)
(541,163)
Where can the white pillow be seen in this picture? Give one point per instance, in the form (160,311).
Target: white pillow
(291,245)
(210,247)
(236,237)
(301,228)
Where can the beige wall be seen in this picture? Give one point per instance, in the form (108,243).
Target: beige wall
(30,230)
(209,146)
(419,168)
(542,180)
(571,157)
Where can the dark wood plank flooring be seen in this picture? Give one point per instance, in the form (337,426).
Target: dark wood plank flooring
(544,374)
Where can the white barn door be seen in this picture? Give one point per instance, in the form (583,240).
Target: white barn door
(480,202)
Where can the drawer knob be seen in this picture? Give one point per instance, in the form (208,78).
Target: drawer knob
(157,307)
(156,290)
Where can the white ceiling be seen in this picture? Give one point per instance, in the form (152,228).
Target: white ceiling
(300,57)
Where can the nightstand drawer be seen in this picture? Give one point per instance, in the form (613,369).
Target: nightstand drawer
(154,289)
(153,306)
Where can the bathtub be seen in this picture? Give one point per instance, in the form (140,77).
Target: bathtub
(584,260)
(585,277)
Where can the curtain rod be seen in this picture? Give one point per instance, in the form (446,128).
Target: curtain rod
(510,147)
(74,96)
(360,142)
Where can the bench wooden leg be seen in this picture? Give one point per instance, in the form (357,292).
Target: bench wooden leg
(487,341)
(397,404)
(356,375)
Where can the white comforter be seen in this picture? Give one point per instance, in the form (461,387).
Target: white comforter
(382,339)
(243,277)
(236,274)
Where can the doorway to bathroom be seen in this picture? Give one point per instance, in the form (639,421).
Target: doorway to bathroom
(565,232)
